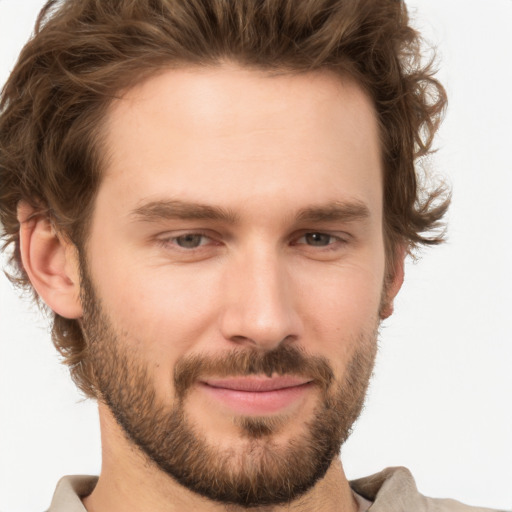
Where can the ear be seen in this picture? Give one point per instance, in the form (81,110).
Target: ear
(394,281)
(51,262)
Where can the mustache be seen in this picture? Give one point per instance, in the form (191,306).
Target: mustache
(283,360)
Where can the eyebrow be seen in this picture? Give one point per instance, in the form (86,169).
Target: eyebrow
(182,210)
(337,211)
(162,210)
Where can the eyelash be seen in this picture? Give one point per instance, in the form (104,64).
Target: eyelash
(334,240)
(171,241)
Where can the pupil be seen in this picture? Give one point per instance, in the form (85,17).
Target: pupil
(318,239)
(189,241)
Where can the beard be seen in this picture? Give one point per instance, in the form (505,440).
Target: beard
(257,472)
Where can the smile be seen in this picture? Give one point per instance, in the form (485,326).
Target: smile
(257,395)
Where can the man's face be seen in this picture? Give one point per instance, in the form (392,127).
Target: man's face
(233,278)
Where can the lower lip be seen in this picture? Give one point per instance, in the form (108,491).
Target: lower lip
(257,402)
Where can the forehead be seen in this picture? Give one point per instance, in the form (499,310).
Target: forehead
(233,136)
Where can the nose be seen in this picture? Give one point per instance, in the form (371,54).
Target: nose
(260,306)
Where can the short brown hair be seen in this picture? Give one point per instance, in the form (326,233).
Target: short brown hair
(84,52)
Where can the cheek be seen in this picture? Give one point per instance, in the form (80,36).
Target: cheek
(340,309)
(343,296)
(158,310)
(158,314)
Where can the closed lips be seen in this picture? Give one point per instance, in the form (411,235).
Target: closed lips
(257,384)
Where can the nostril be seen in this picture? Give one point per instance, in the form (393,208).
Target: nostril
(268,343)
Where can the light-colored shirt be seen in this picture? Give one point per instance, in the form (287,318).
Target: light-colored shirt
(362,503)
(391,490)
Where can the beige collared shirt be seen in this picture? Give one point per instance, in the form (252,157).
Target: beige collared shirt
(391,490)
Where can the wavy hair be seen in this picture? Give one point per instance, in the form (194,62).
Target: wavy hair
(84,52)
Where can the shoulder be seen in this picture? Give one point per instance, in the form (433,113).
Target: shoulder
(394,489)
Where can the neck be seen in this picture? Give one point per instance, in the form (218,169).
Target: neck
(130,483)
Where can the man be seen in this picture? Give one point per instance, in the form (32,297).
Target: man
(215,200)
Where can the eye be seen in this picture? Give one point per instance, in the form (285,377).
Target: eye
(318,239)
(187,241)
(190,240)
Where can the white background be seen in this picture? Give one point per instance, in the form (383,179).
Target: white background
(440,402)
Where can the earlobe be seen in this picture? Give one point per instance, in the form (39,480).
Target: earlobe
(50,261)
(393,283)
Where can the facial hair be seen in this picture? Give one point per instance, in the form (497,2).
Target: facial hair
(262,472)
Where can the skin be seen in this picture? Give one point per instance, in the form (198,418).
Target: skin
(264,149)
